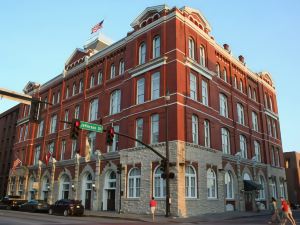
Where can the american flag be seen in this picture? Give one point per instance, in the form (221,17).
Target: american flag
(16,163)
(97,27)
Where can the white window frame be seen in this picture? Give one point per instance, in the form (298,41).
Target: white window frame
(223,105)
(58,97)
(80,86)
(112,71)
(195,129)
(100,77)
(77,112)
(225,140)
(37,153)
(93,110)
(241,115)
(193,87)
(155,86)
(154,128)
(190,182)
(134,183)
(202,55)
(269,126)
(40,129)
(53,123)
(67,92)
(257,151)
(121,67)
(26,132)
(139,130)
(142,53)
(115,102)
(74,89)
(62,150)
(140,93)
(204,92)
(191,48)
(254,121)
(241,85)
(229,185)
(211,184)
(159,187)
(274,129)
(249,92)
(218,72)
(271,103)
(243,146)
(156,47)
(66,118)
(225,74)
(235,81)
(206,133)
(21,134)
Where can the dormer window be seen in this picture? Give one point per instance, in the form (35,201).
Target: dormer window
(156,47)
(142,53)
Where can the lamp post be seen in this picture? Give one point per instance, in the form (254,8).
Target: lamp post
(167,169)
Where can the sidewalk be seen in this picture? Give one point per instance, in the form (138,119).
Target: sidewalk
(161,218)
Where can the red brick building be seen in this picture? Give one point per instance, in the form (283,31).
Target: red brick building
(8,121)
(223,126)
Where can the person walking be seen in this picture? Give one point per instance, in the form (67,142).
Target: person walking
(285,213)
(290,214)
(153,207)
(275,212)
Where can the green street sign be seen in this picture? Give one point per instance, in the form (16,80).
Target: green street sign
(91,127)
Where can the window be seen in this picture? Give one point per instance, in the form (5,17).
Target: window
(92,142)
(273,156)
(115,145)
(139,130)
(53,124)
(21,134)
(191,48)
(190,182)
(64,187)
(112,71)
(121,67)
(140,91)
(223,105)
(211,183)
(266,101)
(142,53)
(262,193)
(134,183)
(254,121)
(74,89)
(159,184)
(225,141)
(249,92)
(37,155)
(257,151)
(277,157)
(53,98)
(269,126)
(92,81)
(271,103)
(76,112)
(154,128)
(80,86)
(74,148)
(254,95)
(241,85)
(240,112)
(156,47)
(243,146)
(58,97)
(225,75)
(281,188)
(204,93)
(193,87)
(287,163)
(93,110)
(195,129)
(274,128)
(45,105)
(63,150)
(273,187)
(51,147)
(202,56)
(229,190)
(67,92)
(218,70)
(115,102)
(40,129)
(206,133)
(155,85)
(100,77)
(235,81)
(66,118)
(26,132)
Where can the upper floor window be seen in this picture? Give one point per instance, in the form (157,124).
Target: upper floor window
(76,112)
(53,98)
(235,81)
(36,155)
(190,182)
(191,48)
(92,81)
(66,118)
(53,124)
(93,111)
(74,148)
(273,156)
(45,105)
(257,151)
(240,112)
(140,91)
(67,92)
(100,77)
(274,128)
(115,102)
(202,56)
(241,85)
(74,89)
(271,103)
(211,183)
(63,150)
(193,87)
(204,92)
(249,92)
(225,75)
(223,105)
(115,145)
(112,71)
(80,86)
(40,129)
(206,133)
(134,183)
(225,141)
(51,147)
(243,146)
(195,129)
(26,132)
(156,47)
(269,126)
(254,95)
(155,86)
(142,53)
(218,70)
(58,97)
(154,128)
(254,121)
(21,134)
(266,101)
(121,67)
(139,130)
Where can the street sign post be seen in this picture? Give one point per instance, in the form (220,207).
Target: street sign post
(91,127)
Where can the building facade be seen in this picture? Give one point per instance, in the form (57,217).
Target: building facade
(8,121)
(167,83)
(292,170)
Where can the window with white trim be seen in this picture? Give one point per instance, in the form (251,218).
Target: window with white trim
(204,92)
(67,92)
(195,129)
(190,182)
(37,155)
(271,103)
(235,81)
(156,47)
(100,77)
(155,85)
(66,118)
(74,89)
(254,95)
(254,121)
(243,146)
(63,150)
(269,126)
(229,188)
(140,91)
(241,115)
(142,53)
(191,48)
(277,157)
(76,112)
(241,85)
(53,98)
(115,102)
(26,132)
(225,74)
(218,70)
(193,87)
(159,184)
(211,184)
(223,105)
(273,156)
(139,130)
(58,98)
(53,124)
(274,128)
(202,56)
(21,134)
(40,129)
(80,86)
(154,128)
(257,151)
(112,71)
(206,133)
(225,140)
(134,183)
(249,92)
(262,193)
(121,67)
(93,110)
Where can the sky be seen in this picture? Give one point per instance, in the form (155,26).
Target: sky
(37,37)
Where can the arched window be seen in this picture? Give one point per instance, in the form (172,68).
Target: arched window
(64,187)
(218,70)
(225,141)
(80,86)
(246,176)
(206,133)
(235,81)
(241,85)
(156,47)
(273,188)
(243,146)
(92,81)
(211,183)
(257,151)
(121,67)
(229,189)
(282,189)
(254,95)
(112,71)
(240,112)
(100,77)
(159,184)
(45,188)
(191,48)
(262,193)
(142,53)
(225,74)
(74,89)
(223,105)
(190,182)
(134,183)
(202,56)
(93,110)
(195,129)
(115,102)
(249,92)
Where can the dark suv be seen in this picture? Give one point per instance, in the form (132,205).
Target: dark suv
(67,207)
(11,202)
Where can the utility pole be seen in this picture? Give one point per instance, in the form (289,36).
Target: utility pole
(167,98)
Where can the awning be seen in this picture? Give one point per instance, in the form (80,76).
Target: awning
(250,185)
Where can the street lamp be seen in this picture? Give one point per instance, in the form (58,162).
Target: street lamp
(167,98)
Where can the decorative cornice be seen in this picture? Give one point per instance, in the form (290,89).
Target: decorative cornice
(155,63)
(199,68)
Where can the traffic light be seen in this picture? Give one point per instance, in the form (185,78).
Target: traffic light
(119,168)
(110,133)
(74,131)
(34,110)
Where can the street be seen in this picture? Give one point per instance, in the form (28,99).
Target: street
(24,218)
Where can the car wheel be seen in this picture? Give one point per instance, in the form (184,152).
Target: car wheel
(66,212)
(50,211)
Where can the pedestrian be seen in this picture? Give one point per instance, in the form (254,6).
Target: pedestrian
(290,214)
(275,212)
(153,207)
(285,213)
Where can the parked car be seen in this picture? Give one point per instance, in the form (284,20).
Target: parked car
(11,202)
(35,206)
(67,207)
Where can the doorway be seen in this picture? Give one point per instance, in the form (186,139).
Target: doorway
(248,201)
(111,200)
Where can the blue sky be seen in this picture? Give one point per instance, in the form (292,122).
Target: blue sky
(37,37)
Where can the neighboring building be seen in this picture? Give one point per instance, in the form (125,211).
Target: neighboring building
(292,170)
(223,125)
(8,121)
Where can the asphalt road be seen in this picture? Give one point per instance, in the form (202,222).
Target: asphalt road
(24,218)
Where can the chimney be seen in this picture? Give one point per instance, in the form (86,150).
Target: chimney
(226,47)
(242,60)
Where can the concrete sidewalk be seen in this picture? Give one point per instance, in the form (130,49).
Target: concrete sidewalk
(161,218)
